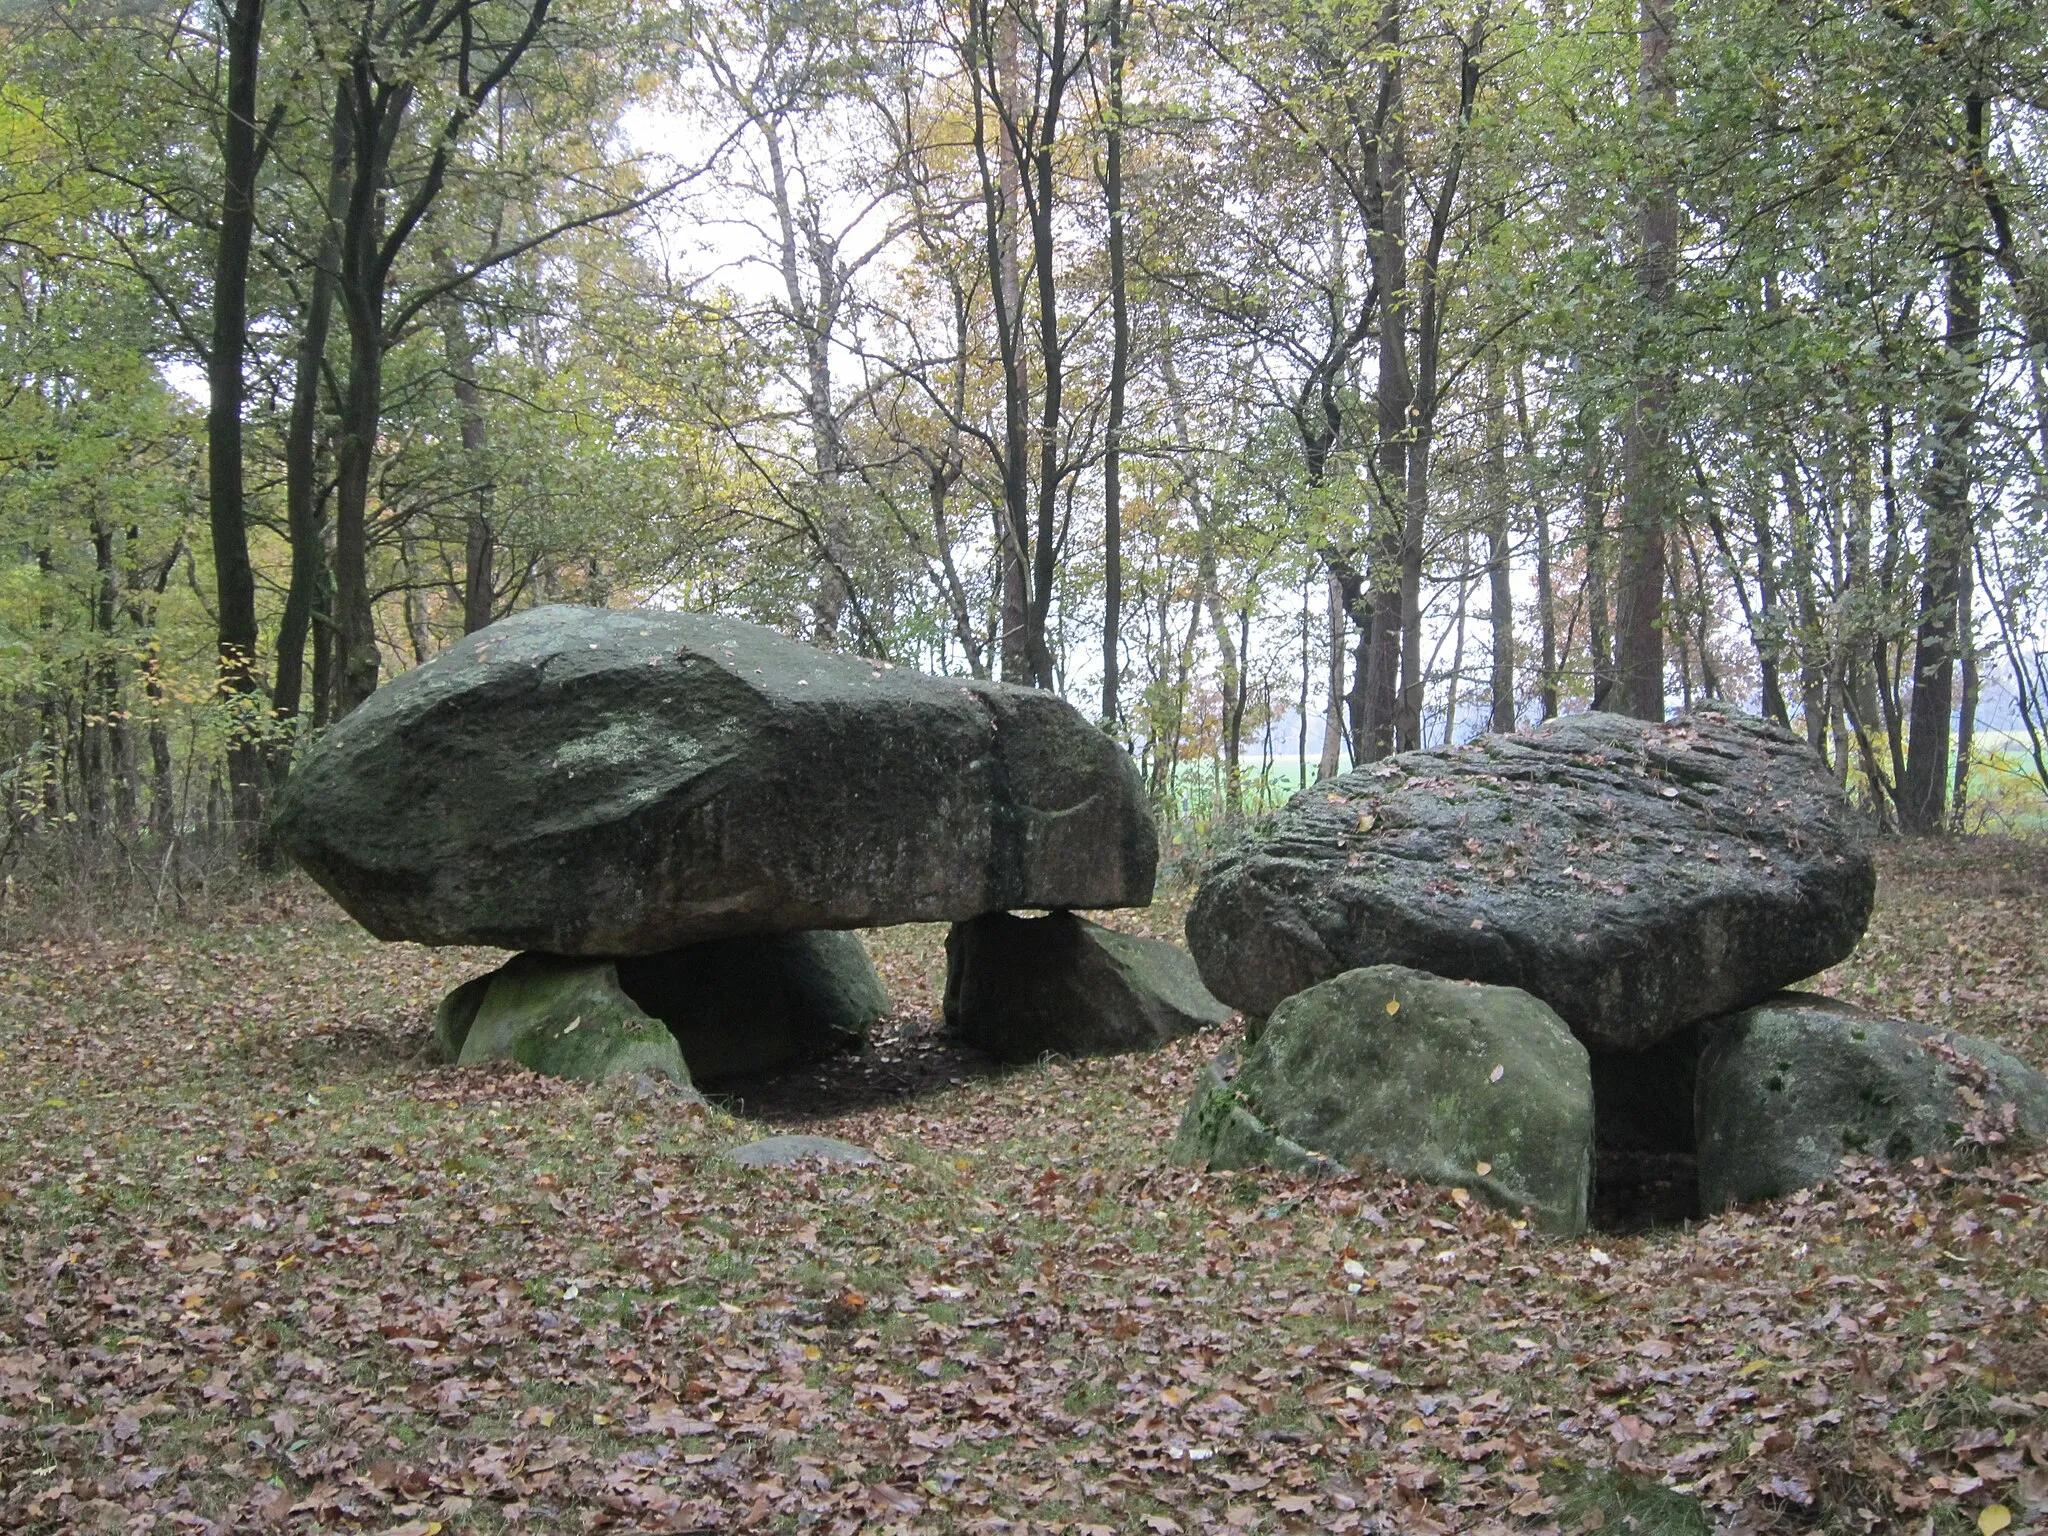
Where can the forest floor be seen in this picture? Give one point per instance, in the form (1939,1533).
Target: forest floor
(269,1266)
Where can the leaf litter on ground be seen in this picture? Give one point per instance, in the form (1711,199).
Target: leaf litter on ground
(270,1267)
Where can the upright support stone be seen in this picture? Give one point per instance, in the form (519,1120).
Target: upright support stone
(742,1006)
(1480,1087)
(1025,987)
(731,1007)
(568,1018)
(1788,1089)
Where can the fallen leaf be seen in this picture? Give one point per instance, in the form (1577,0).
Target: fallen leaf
(668,1419)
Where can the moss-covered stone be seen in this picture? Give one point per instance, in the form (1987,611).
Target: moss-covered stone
(1787,1089)
(1444,1081)
(1218,1131)
(456,1013)
(1025,987)
(568,1018)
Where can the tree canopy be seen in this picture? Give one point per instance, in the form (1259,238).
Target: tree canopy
(1288,383)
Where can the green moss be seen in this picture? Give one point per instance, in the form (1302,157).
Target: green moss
(1482,1087)
(568,1018)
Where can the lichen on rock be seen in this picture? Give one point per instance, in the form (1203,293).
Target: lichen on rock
(1637,877)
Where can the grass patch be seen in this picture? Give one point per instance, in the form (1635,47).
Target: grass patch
(1627,1504)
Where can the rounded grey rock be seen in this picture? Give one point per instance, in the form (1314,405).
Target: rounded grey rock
(782,1151)
(1787,1089)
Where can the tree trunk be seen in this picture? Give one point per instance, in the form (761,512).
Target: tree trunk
(479,574)
(1374,724)
(1457,644)
(1209,592)
(1768,634)
(1301,715)
(377,118)
(1009,290)
(1599,612)
(1923,792)
(1501,595)
(1051,350)
(303,519)
(380,103)
(1649,500)
(1119,373)
(1546,589)
(1883,651)
(234,577)
(1414,524)
(1813,692)
(357,661)
(1710,682)
(1333,707)
(100,697)
(418,633)
(1966,717)
(1854,633)
(1674,570)
(145,591)
(814,314)
(326,632)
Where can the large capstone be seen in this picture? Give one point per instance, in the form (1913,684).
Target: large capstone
(731,1007)
(1472,1086)
(1025,987)
(1637,877)
(586,782)
(1788,1089)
